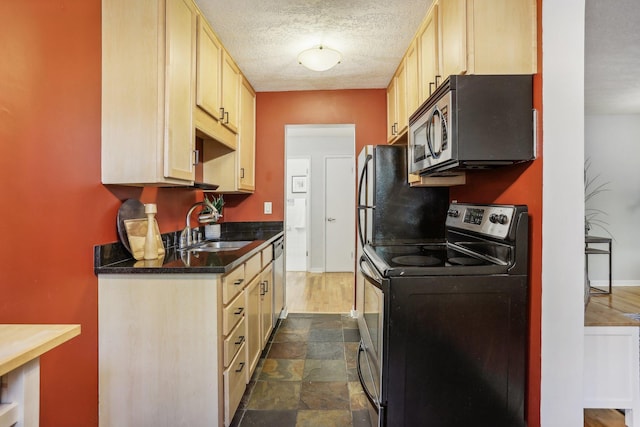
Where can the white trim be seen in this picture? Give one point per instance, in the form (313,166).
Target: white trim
(562,357)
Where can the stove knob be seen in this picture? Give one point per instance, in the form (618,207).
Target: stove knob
(453,213)
(493,218)
(503,219)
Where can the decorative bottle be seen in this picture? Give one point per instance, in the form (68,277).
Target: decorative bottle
(150,243)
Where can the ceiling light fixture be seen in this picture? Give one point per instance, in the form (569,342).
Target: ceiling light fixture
(319,58)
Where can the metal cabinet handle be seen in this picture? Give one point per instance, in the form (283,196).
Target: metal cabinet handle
(431,84)
(438,77)
(241,367)
(226,115)
(240,340)
(221,113)
(266,286)
(262,291)
(239,311)
(196,157)
(241,172)
(237,282)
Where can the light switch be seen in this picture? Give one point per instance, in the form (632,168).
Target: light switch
(267,208)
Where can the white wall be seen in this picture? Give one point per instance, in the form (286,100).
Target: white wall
(612,145)
(563,212)
(317,142)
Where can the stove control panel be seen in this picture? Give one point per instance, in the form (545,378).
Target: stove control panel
(492,220)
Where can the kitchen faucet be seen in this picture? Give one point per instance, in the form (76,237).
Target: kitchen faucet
(186,239)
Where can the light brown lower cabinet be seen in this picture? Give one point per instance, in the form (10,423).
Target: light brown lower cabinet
(179,349)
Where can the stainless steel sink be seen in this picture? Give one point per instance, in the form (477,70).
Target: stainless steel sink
(219,246)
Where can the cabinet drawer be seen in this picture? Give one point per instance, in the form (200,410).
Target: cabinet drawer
(232,314)
(267,256)
(234,385)
(234,342)
(252,267)
(232,284)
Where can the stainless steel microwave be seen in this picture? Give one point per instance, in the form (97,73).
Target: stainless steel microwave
(473,122)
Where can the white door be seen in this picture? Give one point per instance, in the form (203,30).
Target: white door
(339,213)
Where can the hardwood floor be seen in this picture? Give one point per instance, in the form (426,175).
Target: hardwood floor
(320,292)
(603,418)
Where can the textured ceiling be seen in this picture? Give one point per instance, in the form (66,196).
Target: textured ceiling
(265,38)
(612,57)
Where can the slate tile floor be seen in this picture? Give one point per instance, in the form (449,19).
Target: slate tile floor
(308,377)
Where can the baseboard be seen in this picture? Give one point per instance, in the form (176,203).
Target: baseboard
(316,270)
(605,283)
(354,313)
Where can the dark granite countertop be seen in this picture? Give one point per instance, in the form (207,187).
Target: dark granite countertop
(113,258)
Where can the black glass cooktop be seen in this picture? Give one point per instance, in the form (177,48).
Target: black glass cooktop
(427,259)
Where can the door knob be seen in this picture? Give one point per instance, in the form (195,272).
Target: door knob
(331,219)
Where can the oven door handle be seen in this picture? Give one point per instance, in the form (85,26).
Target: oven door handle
(369,273)
(362,382)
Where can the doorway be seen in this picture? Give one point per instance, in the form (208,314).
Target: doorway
(319,217)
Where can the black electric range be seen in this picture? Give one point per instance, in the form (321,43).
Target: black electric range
(445,323)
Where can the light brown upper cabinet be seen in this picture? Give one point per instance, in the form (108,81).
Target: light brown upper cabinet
(488,36)
(216,86)
(230,92)
(247,135)
(413,78)
(148,92)
(233,169)
(429,58)
(397,118)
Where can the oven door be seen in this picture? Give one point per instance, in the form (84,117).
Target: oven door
(370,323)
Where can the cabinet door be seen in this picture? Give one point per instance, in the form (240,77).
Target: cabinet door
(252,323)
(391,110)
(209,56)
(266,303)
(179,138)
(509,24)
(453,36)
(412,76)
(230,92)
(401,98)
(428,47)
(247,137)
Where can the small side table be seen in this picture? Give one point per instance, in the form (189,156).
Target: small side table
(588,250)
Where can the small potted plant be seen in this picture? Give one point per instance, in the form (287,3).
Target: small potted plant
(212,211)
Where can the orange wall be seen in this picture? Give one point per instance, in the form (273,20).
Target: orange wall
(365,108)
(54,208)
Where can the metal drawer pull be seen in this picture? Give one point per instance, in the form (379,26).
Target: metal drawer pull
(239,311)
(240,340)
(221,113)
(241,367)
(237,282)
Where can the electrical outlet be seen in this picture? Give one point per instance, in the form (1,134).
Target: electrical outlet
(267,208)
